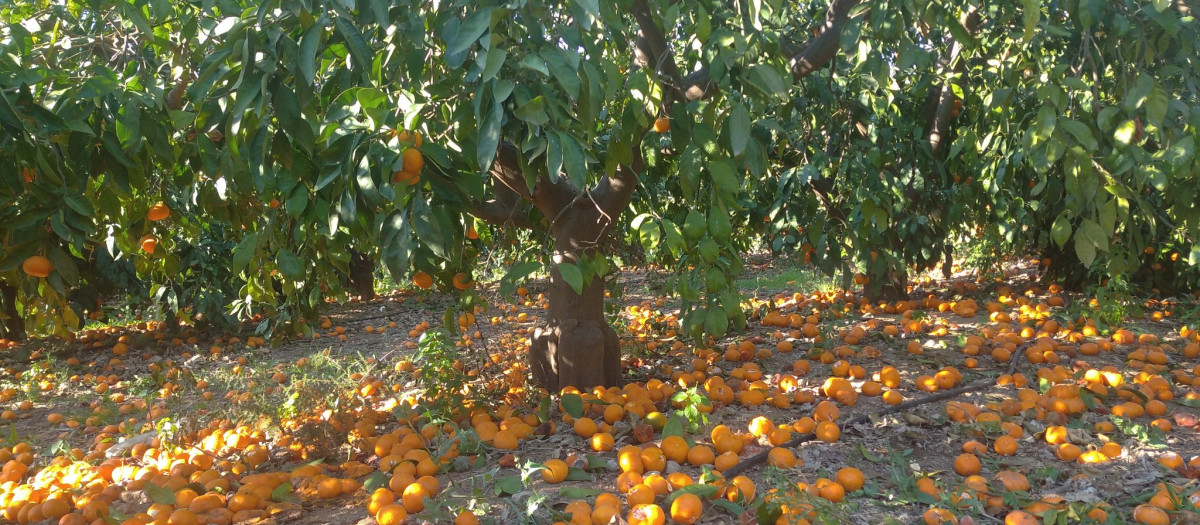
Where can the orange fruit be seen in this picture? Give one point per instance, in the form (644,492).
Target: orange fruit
(422,280)
(1056,435)
(1067,452)
(1013,481)
(1150,515)
(414,497)
(647,514)
(55,508)
(505,440)
(183,517)
(158,212)
(413,161)
(662,125)
(851,478)
(740,489)
(966,464)
(1005,445)
(327,488)
(675,448)
(833,492)
(394,515)
(828,431)
(555,471)
(462,281)
(1111,449)
(826,411)
(686,509)
(935,516)
(602,442)
(780,457)
(640,494)
(1020,517)
(148,243)
(700,455)
(37,266)
(585,427)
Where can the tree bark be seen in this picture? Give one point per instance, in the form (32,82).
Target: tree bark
(362,275)
(575,345)
(893,287)
(14,325)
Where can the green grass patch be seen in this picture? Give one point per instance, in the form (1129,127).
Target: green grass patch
(790,279)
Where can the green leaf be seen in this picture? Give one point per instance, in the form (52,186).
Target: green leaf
(673,427)
(577,474)
(724,177)
(1080,132)
(360,52)
(1161,5)
(1092,231)
(673,237)
(493,63)
(572,404)
(489,137)
(573,160)
(159,494)
(1085,250)
(1156,106)
(768,80)
(289,265)
(245,251)
(297,201)
(705,491)
(533,112)
(587,12)
(1047,118)
(571,274)
(1060,231)
(282,492)
(375,480)
(307,52)
(1124,133)
(597,462)
(716,322)
(729,506)
(509,485)
(739,129)
(862,450)
(471,29)
(1031,13)
(573,493)
(1138,93)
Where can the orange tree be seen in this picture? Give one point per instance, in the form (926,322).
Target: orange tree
(297,143)
(1066,128)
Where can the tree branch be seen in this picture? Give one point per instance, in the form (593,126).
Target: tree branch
(507,209)
(652,50)
(810,57)
(548,197)
(825,45)
(939,129)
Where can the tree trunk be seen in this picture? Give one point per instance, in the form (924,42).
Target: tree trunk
(574,345)
(362,275)
(893,286)
(14,325)
(948,262)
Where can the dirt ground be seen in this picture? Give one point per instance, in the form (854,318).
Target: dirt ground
(892,451)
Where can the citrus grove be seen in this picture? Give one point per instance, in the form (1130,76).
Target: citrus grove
(650,261)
